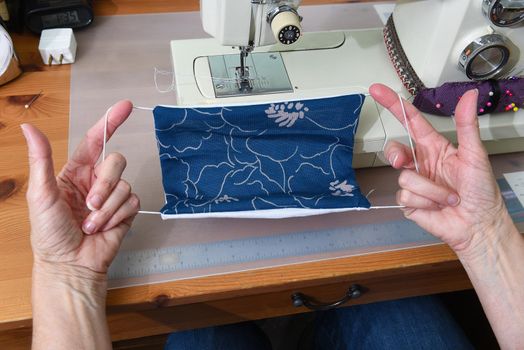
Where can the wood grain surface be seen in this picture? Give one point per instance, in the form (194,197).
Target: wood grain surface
(50,113)
(125,7)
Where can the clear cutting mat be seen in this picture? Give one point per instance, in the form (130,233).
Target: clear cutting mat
(116,60)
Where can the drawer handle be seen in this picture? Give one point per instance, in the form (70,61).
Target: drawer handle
(300,299)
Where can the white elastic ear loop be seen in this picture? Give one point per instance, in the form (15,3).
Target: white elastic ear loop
(406,122)
(106,121)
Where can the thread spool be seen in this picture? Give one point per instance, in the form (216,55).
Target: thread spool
(286,27)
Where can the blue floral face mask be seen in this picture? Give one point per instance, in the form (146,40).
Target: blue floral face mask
(290,157)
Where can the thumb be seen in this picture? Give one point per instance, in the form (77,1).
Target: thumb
(466,121)
(42,181)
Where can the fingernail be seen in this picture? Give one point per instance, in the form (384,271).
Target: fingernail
(89,227)
(393,158)
(453,200)
(95,202)
(24,131)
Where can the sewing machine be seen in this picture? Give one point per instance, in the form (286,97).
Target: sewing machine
(457,40)
(259,52)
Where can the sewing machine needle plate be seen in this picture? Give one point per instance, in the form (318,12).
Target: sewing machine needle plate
(267,74)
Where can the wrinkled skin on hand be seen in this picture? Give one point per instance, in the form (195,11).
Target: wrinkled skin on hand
(455,195)
(63,229)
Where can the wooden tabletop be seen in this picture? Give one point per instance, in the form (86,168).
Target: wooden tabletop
(50,114)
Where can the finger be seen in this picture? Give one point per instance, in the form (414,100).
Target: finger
(129,209)
(422,186)
(90,148)
(42,181)
(116,234)
(399,155)
(466,121)
(98,218)
(108,174)
(414,201)
(420,128)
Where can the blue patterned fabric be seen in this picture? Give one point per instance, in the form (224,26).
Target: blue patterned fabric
(295,154)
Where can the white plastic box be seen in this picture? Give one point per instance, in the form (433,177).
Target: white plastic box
(57,46)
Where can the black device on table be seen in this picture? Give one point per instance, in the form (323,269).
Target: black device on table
(48,14)
(12,15)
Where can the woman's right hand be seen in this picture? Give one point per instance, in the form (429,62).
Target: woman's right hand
(455,195)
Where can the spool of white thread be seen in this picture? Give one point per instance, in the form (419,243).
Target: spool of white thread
(284,20)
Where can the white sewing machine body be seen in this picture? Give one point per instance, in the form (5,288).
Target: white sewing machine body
(243,23)
(326,64)
(435,39)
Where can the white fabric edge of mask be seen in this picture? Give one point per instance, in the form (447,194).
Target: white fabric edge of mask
(261,214)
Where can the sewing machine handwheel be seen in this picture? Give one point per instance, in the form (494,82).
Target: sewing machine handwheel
(504,13)
(300,299)
(487,57)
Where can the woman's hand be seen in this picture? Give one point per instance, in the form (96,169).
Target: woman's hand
(455,195)
(64,231)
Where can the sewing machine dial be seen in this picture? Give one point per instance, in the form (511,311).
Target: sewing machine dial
(486,57)
(504,13)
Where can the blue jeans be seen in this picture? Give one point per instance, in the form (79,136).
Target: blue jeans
(413,323)
(238,336)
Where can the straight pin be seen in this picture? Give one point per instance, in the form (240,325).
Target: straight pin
(27,105)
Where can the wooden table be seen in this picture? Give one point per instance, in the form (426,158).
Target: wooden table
(155,309)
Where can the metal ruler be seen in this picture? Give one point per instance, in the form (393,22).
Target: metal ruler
(345,241)
(161,260)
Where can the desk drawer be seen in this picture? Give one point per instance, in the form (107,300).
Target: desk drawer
(165,318)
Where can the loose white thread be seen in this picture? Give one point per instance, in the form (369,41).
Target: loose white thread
(409,133)
(171,86)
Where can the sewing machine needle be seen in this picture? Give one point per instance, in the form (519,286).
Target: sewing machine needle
(242,64)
